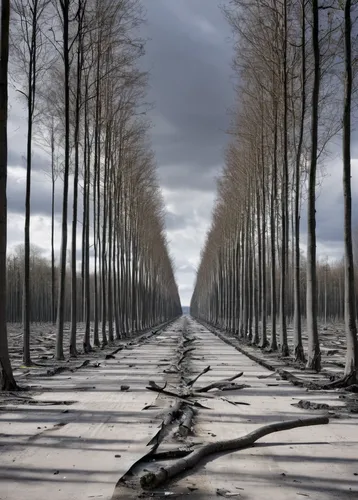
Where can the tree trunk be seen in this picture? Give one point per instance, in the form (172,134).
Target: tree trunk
(284,201)
(61,295)
(53,182)
(351,368)
(31,93)
(7,381)
(273,341)
(86,222)
(297,330)
(314,354)
(73,340)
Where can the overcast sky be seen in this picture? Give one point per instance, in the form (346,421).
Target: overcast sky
(188,54)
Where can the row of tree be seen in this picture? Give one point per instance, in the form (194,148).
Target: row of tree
(330,286)
(75,64)
(294,60)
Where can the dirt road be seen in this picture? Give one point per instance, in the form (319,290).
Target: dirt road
(79,433)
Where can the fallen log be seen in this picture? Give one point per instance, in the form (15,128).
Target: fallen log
(170,454)
(185,426)
(168,419)
(152,480)
(173,413)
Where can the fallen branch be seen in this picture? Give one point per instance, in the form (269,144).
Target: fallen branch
(120,348)
(224,385)
(54,371)
(234,387)
(235,403)
(342,383)
(310,405)
(153,480)
(206,395)
(298,382)
(192,382)
(154,387)
(185,352)
(220,386)
(187,341)
(234,377)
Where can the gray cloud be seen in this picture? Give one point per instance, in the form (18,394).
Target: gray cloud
(40,193)
(189,57)
(174,222)
(17,158)
(330,209)
(187,268)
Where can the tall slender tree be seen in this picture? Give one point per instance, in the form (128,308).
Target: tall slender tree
(28,47)
(314,353)
(351,368)
(7,381)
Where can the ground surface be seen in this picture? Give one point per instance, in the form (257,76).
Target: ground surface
(76,434)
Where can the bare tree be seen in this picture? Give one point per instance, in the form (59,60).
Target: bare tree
(7,381)
(63,10)
(351,368)
(28,47)
(314,354)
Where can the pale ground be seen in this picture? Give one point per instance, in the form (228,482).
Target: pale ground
(43,338)
(68,451)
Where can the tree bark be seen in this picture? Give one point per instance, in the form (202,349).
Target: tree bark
(313,354)
(64,6)
(7,381)
(297,329)
(53,183)
(31,93)
(351,367)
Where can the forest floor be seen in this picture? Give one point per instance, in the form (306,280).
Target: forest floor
(94,432)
